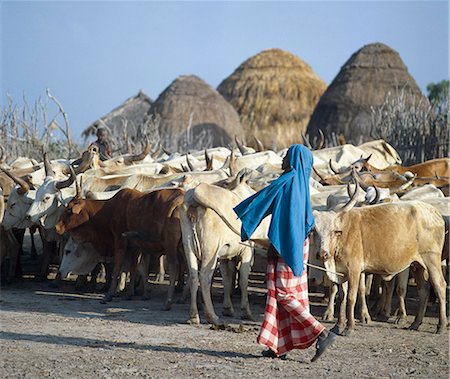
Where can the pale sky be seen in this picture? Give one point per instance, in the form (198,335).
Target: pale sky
(94,55)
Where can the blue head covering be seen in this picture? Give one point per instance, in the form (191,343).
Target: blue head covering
(287,199)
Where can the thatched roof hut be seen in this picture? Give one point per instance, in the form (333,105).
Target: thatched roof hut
(130,114)
(194,115)
(275,93)
(364,81)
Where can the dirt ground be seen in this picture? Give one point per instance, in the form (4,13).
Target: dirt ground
(60,333)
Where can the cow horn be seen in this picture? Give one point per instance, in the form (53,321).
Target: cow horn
(24,186)
(209,161)
(367,159)
(66,183)
(377,196)
(232,163)
(306,141)
(48,167)
(239,145)
(78,188)
(318,174)
(336,171)
(155,153)
(351,203)
(143,154)
(189,163)
(322,140)
(259,145)
(2,157)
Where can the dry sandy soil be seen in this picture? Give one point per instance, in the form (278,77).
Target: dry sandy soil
(59,333)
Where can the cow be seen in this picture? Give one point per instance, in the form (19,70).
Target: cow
(210,232)
(384,239)
(104,223)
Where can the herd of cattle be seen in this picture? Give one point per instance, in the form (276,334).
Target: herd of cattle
(375,219)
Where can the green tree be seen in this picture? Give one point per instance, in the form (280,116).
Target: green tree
(438,92)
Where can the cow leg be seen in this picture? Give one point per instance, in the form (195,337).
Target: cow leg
(386,300)
(244,272)
(365,316)
(143,271)
(206,275)
(92,286)
(33,252)
(369,282)
(439,285)
(353,285)
(329,312)
(401,289)
(192,264)
(227,269)
(423,287)
(161,271)
(342,305)
(119,253)
(174,267)
(129,292)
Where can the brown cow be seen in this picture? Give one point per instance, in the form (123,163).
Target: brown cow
(105,224)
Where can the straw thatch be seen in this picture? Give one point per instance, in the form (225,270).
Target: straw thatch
(194,115)
(130,115)
(275,93)
(363,82)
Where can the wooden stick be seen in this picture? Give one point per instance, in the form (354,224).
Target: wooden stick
(307,263)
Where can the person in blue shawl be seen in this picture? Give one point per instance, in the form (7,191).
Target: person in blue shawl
(288,324)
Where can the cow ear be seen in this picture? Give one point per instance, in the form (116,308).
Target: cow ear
(76,209)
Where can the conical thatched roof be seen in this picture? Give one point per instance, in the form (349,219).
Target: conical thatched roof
(132,113)
(194,115)
(364,81)
(275,93)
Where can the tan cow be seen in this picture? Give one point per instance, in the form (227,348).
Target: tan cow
(384,239)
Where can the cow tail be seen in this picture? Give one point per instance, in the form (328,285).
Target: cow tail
(192,215)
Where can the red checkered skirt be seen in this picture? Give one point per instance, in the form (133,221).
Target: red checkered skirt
(288,324)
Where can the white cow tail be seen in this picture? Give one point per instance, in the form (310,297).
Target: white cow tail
(192,215)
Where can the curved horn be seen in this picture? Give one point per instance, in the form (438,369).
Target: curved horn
(322,140)
(351,203)
(377,196)
(143,154)
(24,186)
(209,161)
(189,163)
(66,183)
(259,145)
(239,145)
(2,157)
(306,141)
(155,153)
(48,167)
(336,171)
(232,163)
(318,174)
(165,150)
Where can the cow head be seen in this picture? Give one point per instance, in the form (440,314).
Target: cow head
(326,239)
(74,215)
(78,258)
(49,194)
(19,201)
